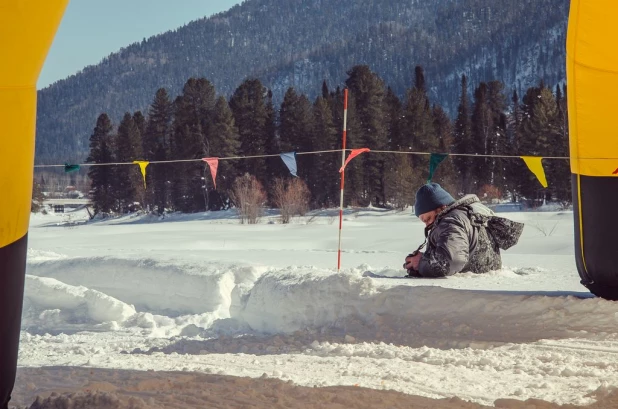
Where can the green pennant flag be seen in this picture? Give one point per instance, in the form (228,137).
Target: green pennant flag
(435,161)
(70,168)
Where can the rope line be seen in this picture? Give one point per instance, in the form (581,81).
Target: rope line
(471,155)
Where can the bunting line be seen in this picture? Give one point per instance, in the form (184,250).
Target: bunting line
(472,155)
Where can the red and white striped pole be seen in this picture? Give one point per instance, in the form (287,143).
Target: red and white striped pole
(343,149)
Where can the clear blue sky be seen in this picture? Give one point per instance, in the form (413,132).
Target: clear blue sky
(91,30)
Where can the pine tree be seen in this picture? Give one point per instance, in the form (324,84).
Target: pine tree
(225,143)
(498,141)
(295,134)
(483,127)
(274,165)
(560,169)
(539,129)
(368,91)
(325,91)
(156,142)
(325,137)
(101,176)
(127,179)
(418,126)
(443,130)
(399,177)
(394,118)
(248,104)
(193,111)
(462,140)
(140,123)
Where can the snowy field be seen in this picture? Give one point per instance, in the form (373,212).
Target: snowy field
(202,293)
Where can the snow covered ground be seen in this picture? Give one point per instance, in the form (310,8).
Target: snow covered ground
(204,293)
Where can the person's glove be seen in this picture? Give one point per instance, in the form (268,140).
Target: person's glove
(411,271)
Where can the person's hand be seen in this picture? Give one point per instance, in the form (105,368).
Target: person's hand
(412,262)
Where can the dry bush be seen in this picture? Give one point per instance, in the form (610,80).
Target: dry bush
(489,192)
(291,197)
(249,196)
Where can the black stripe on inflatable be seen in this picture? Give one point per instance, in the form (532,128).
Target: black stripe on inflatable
(598,262)
(12,276)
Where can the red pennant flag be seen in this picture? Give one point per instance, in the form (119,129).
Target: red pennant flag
(353,154)
(213,163)
(615,172)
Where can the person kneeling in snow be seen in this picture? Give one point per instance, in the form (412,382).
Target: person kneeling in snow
(461,235)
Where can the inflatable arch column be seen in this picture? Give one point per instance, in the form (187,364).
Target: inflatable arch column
(27,29)
(592,89)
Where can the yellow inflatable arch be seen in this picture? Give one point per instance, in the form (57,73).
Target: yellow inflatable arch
(27,28)
(592,83)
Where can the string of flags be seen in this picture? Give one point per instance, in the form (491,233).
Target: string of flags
(534,163)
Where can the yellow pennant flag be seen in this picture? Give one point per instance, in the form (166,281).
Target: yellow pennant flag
(142,168)
(536,166)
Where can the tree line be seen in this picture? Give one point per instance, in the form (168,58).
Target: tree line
(198,123)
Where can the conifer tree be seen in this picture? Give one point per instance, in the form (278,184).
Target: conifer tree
(483,127)
(538,132)
(140,123)
(394,116)
(127,181)
(368,91)
(399,177)
(325,91)
(418,126)
(101,176)
(560,169)
(248,104)
(443,129)
(274,165)
(325,137)
(462,140)
(295,134)
(498,141)
(156,142)
(191,140)
(225,142)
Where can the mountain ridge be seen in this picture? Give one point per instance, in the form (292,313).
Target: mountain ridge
(301,43)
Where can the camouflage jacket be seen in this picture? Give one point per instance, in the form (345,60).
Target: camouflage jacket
(459,241)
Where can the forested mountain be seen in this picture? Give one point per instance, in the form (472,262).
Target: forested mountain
(301,43)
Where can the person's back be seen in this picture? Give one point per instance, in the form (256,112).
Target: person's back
(458,239)
(455,244)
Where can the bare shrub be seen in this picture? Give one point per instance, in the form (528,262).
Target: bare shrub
(489,192)
(249,196)
(291,197)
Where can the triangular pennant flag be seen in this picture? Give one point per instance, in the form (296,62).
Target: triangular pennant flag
(142,167)
(290,161)
(213,163)
(70,168)
(353,154)
(434,161)
(535,165)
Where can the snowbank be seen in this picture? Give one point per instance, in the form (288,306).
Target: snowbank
(202,293)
